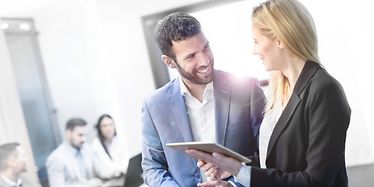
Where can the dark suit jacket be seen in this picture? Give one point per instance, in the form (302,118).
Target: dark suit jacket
(308,141)
(238,110)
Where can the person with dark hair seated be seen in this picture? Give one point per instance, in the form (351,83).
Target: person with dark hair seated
(109,147)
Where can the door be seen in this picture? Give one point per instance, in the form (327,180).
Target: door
(32,86)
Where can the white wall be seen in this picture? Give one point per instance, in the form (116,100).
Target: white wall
(95,58)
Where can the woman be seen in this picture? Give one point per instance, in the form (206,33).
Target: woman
(302,137)
(109,148)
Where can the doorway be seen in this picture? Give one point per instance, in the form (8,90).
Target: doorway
(39,113)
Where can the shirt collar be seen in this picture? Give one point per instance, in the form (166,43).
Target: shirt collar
(185,91)
(71,149)
(12,183)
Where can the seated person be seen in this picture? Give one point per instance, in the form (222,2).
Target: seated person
(12,164)
(109,147)
(74,163)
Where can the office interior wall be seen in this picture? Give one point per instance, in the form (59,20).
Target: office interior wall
(95,59)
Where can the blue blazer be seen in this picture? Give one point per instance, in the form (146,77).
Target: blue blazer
(239,112)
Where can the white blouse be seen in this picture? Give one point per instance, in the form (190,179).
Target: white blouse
(118,162)
(266,130)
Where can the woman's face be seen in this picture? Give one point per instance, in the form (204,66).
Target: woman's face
(107,128)
(267,49)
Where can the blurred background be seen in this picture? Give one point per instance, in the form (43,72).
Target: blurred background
(81,58)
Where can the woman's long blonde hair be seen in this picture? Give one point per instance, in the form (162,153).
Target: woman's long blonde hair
(290,22)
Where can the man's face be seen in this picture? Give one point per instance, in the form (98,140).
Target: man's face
(77,137)
(19,160)
(194,60)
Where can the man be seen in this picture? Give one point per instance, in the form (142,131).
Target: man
(12,164)
(73,162)
(204,104)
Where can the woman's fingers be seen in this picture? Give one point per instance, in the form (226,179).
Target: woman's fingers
(218,183)
(209,169)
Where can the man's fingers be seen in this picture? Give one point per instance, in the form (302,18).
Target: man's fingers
(200,163)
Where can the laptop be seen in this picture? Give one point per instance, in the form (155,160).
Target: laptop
(134,172)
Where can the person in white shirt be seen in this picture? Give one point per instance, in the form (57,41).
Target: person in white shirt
(110,149)
(13,161)
(74,163)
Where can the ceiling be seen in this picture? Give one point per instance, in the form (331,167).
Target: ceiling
(14,7)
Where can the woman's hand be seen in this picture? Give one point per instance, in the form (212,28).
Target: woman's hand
(217,183)
(217,162)
(213,175)
(211,171)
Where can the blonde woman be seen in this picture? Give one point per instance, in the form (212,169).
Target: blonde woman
(302,137)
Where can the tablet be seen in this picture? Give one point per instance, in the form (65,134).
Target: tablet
(209,148)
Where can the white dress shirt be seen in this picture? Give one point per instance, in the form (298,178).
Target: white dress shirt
(10,183)
(65,169)
(201,115)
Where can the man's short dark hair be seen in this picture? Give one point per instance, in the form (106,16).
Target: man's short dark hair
(6,150)
(176,26)
(75,122)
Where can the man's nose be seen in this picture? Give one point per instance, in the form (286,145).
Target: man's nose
(84,139)
(204,59)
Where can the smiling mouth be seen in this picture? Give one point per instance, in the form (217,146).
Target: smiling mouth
(204,70)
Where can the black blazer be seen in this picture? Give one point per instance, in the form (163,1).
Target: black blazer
(307,145)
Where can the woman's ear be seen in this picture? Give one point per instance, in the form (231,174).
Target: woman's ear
(169,62)
(280,44)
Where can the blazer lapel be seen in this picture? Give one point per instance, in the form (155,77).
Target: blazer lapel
(178,107)
(305,76)
(222,94)
(283,121)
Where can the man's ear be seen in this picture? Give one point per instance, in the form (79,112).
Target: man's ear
(68,133)
(169,62)
(11,161)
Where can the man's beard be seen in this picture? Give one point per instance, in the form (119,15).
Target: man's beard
(194,77)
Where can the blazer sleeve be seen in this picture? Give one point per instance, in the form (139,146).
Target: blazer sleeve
(257,108)
(154,162)
(327,114)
